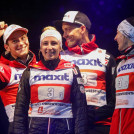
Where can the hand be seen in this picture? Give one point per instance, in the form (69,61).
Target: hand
(3,26)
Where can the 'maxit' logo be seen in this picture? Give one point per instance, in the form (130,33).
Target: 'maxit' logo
(65,77)
(92,62)
(126,67)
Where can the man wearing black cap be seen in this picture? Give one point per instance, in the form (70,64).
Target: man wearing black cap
(96,67)
(123,117)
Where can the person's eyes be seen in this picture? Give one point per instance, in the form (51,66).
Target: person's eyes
(68,29)
(54,43)
(14,41)
(23,38)
(45,43)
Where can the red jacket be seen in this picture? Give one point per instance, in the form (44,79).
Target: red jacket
(96,68)
(10,74)
(123,117)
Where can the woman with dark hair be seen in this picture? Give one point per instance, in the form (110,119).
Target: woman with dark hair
(54,88)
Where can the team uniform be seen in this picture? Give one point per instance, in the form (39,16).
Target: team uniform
(56,95)
(96,69)
(10,74)
(123,117)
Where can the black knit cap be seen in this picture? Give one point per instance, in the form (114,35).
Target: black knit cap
(75,17)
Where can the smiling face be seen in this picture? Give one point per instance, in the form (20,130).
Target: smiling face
(50,48)
(72,34)
(18,45)
(122,41)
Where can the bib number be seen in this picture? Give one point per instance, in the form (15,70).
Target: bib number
(53,93)
(122,82)
(89,78)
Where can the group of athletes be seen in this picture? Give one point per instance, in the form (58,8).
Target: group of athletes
(80,90)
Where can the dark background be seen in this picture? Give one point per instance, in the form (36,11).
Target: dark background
(105,16)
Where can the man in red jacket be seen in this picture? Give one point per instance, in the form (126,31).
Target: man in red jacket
(96,68)
(12,64)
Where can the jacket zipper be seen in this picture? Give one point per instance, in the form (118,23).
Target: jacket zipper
(81,49)
(48,129)
(28,62)
(67,124)
(30,119)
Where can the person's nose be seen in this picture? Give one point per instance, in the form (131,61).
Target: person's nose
(49,46)
(65,35)
(115,38)
(21,42)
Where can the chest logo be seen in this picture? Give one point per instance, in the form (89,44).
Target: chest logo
(91,62)
(65,77)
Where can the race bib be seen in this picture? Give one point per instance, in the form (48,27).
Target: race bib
(51,92)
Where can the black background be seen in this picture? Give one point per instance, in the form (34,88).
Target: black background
(105,16)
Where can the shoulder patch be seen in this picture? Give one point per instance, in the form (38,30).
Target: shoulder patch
(82,89)
(80,80)
(107,56)
(1,69)
(106,61)
(99,51)
(68,65)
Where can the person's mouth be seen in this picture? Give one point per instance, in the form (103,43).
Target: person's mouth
(21,49)
(69,40)
(50,52)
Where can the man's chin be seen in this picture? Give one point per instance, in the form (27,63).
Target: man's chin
(47,59)
(23,54)
(71,45)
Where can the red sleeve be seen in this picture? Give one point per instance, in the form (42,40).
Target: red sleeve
(5,73)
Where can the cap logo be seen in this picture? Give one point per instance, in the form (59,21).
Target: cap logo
(70,16)
(76,17)
(13,26)
(67,16)
(10,29)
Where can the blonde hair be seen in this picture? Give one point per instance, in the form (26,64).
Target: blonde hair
(49,28)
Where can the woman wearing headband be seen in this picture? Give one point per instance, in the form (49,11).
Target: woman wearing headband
(54,88)
(123,117)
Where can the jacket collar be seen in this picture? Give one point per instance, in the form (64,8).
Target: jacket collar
(127,53)
(84,48)
(9,60)
(60,64)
